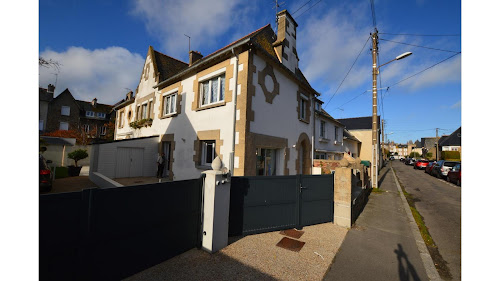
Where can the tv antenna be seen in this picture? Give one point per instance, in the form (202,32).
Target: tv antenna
(55,84)
(189,41)
(276,6)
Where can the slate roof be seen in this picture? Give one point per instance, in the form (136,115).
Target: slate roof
(348,135)
(168,66)
(455,139)
(87,106)
(358,123)
(56,141)
(325,114)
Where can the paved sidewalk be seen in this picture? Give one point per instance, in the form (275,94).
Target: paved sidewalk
(383,245)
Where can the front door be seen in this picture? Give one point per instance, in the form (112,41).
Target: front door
(167,151)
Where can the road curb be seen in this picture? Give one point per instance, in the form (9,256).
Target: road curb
(429,266)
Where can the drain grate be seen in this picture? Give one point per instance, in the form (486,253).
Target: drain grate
(292,233)
(290,244)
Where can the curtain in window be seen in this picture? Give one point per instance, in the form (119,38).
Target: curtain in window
(172,104)
(222,87)
(205,93)
(215,90)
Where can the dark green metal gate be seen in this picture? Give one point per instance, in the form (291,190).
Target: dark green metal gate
(263,204)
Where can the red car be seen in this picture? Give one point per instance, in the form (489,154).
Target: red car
(421,164)
(455,175)
(428,169)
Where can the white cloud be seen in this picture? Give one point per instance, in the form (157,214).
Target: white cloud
(204,21)
(101,73)
(456,105)
(448,71)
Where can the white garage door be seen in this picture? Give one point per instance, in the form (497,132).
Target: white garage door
(129,162)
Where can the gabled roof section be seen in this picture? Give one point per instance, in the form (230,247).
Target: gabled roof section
(325,114)
(455,139)
(87,106)
(44,95)
(358,123)
(167,66)
(348,135)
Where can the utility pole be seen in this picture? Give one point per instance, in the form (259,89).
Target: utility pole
(383,141)
(374,174)
(437,141)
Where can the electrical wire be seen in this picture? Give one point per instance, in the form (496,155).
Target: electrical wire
(352,99)
(406,34)
(307,9)
(424,70)
(419,46)
(301,7)
(347,72)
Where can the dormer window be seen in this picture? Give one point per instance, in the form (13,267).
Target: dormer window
(89,113)
(101,114)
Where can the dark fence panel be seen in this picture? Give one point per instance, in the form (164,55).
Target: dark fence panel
(122,231)
(316,204)
(262,204)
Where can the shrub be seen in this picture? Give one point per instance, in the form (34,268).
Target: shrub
(450,155)
(414,155)
(78,155)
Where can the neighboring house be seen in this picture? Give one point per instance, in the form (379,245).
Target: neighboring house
(351,144)
(452,142)
(44,98)
(329,140)
(247,103)
(430,144)
(361,129)
(65,113)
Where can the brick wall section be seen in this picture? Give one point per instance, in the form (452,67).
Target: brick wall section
(54,112)
(326,165)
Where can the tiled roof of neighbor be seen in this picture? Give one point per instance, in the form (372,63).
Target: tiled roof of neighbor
(455,139)
(56,141)
(328,116)
(358,123)
(43,95)
(87,106)
(348,135)
(168,66)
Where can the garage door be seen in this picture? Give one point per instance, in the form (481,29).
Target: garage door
(129,162)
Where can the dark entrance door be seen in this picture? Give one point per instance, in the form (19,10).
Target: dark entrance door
(264,204)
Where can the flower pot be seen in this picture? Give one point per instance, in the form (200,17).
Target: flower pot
(74,171)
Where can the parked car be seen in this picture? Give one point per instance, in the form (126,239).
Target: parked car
(45,175)
(428,169)
(421,164)
(402,159)
(410,161)
(440,170)
(391,158)
(455,175)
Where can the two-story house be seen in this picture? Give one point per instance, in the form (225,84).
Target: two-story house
(329,140)
(361,128)
(247,103)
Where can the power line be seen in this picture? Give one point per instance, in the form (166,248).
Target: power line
(348,72)
(301,7)
(307,10)
(406,34)
(352,99)
(424,70)
(419,46)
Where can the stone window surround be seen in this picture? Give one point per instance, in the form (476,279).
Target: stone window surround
(176,87)
(300,96)
(268,142)
(215,70)
(206,136)
(150,99)
(208,77)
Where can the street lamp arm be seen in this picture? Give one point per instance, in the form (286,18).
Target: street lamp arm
(400,57)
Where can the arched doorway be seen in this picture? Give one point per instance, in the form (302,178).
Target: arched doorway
(303,162)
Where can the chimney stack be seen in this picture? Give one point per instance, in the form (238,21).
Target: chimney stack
(285,44)
(129,95)
(94,102)
(194,56)
(50,89)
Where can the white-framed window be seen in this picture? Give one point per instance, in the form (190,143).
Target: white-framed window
(212,90)
(89,113)
(322,129)
(65,110)
(303,107)
(208,152)
(86,128)
(102,130)
(169,104)
(101,114)
(121,118)
(40,125)
(144,110)
(63,126)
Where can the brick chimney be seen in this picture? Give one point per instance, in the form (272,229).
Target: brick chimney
(194,56)
(94,102)
(50,89)
(285,44)
(129,95)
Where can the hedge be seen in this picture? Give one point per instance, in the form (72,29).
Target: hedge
(449,155)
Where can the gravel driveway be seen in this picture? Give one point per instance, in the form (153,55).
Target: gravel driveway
(255,257)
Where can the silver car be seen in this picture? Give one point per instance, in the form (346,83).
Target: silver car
(442,167)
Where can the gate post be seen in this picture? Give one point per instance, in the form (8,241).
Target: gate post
(342,195)
(216,191)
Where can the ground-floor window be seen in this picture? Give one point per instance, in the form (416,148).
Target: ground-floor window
(320,156)
(208,152)
(266,161)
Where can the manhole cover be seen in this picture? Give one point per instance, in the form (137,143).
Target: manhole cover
(290,244)
(292,233)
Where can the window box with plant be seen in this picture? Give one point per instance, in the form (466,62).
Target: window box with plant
(141,123)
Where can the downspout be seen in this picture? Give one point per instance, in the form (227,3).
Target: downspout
(313,138)
(235,98)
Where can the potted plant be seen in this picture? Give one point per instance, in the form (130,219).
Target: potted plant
(76,155)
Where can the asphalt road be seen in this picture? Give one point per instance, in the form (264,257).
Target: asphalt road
(439,203)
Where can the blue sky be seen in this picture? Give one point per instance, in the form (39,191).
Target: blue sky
(102,44)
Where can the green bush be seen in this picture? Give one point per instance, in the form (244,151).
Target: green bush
(414,155)
(450,155)
(78,155)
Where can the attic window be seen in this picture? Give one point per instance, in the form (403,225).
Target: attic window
(101,114)
(89,113)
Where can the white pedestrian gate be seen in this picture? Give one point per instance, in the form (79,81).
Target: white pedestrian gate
(129,162)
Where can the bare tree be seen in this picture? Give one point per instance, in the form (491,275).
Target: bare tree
(48,63)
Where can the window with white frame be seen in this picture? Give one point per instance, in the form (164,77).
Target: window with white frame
(145,110)
(89,113)
(169,105)
(208,152)
(303,107)
(63,126)
(101,114)
(102,131)
(65,110)
(212,90)
(86,128)
(322,129)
